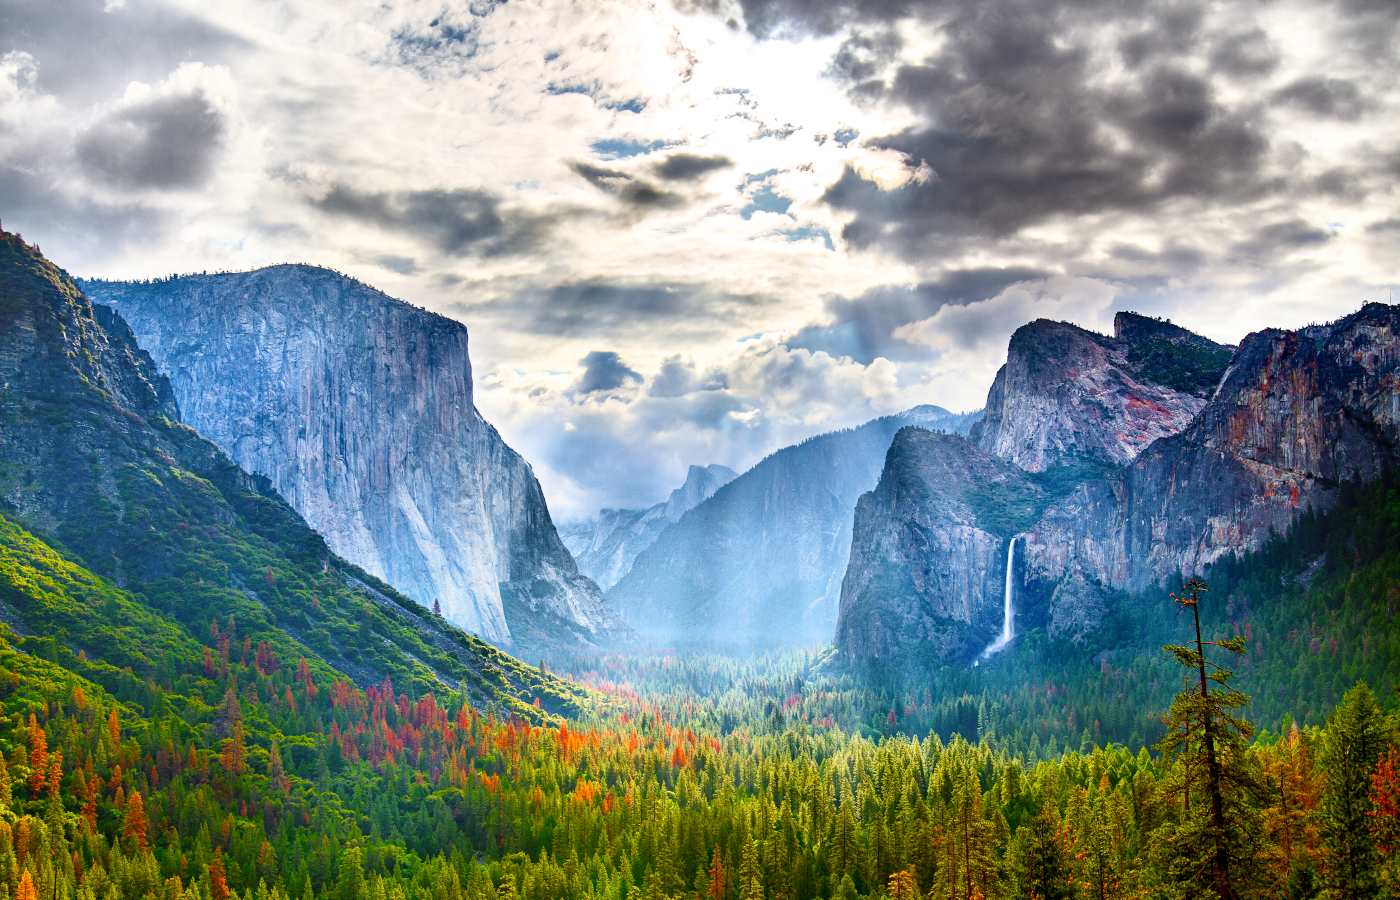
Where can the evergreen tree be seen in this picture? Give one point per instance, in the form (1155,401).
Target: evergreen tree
(1041,857)
(1356,735)
(1218,837)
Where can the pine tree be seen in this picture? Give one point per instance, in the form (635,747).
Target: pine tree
(1041,856)
(1356,735)
(26,890)
(719,882)
(1217,838)
(750,874)
(134,824)
(218,879)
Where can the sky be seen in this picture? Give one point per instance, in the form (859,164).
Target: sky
(695,231)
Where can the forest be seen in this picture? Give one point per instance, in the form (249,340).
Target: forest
(217,766)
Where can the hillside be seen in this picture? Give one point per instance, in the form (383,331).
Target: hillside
(120,520)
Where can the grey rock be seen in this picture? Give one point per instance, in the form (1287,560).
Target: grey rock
(359,409)
(929,553)
(1067,395)
(1297,413)
(605,545)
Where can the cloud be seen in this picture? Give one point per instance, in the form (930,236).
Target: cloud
(604,371)
(679,377)
(1324,97)
(633,192)
(863,327)
(459,221)
(669,312)
(86,50)
(167,143)
(690,166)
(1027,116)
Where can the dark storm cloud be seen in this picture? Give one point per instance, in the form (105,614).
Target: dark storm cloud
(1028,114)
(604,370)
(689,166)
(460,222)
(29,203)
(633,192)
(864,325)
(1248,53)
(1281,238)
(83,51)
(166,143)
(1334,98)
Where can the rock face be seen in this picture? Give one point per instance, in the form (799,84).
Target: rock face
(1296,414)
(359,409)
(95,462)
(1293,416)
(1069,395)
(760,563)
(928,555)
(605,545)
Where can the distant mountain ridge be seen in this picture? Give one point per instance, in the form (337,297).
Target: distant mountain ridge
(359,408)
(605,545)
(760,563)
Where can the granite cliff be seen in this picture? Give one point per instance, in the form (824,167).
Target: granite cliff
(359,409)
(1295,414)
(1067,395)
(928,560)
(605,545)
(146,531)
(761,561)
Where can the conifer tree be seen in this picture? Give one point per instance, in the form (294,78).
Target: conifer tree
(218,878)
(134,824)
(1219,833)
(1042,857)
(1355,737)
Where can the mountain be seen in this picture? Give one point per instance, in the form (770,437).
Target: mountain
(1297,414)
(359,409)
(128,538)
(1294,416)
(761,562)
(1067,395)
(927,547)
(605,545)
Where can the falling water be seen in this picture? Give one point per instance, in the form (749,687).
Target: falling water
(1008,625)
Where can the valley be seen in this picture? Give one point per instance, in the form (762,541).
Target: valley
(285,618)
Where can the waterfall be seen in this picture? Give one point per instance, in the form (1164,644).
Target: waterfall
(1008,621)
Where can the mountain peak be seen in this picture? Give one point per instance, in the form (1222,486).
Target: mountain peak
(701,482)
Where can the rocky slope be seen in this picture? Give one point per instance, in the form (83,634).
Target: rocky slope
(359,410)
(605,545)
(1294,415)
(95,462)
(928,556)
(1067,395)
(761,562)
